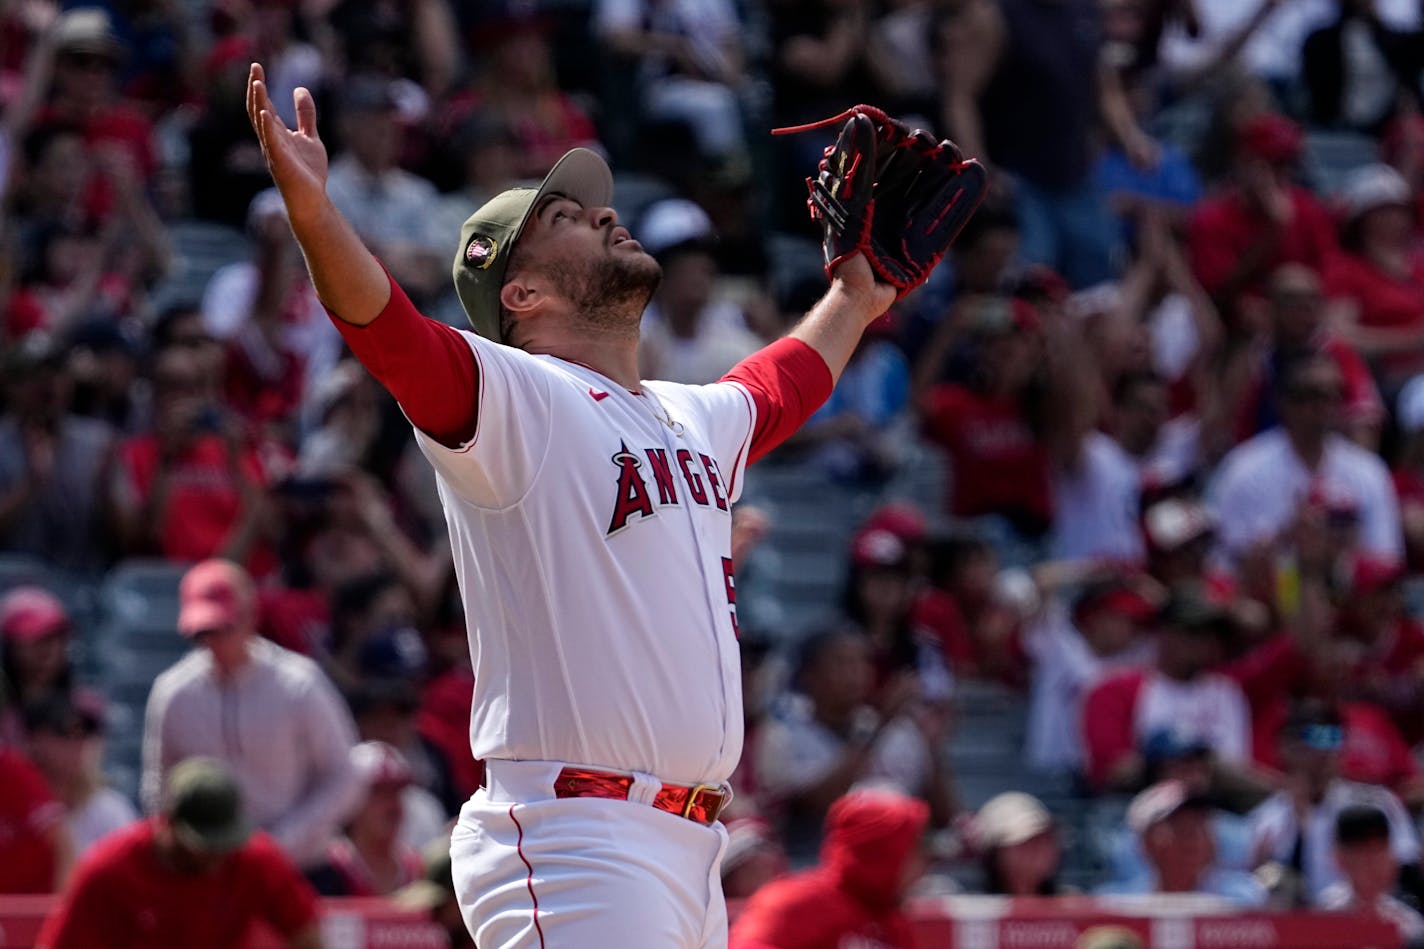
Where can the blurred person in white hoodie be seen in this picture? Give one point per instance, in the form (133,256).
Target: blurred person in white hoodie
(271,715)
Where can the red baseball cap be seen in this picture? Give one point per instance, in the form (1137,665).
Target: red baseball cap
(877,548)
(213,595)
(31,613)
(378,763)
(1273,138)
(900,518)
(1370,574)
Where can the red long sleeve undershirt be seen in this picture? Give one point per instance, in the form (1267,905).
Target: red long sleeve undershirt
(788,381)
(432,373)
(425,364)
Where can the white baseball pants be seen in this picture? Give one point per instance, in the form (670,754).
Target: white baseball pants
(533,871)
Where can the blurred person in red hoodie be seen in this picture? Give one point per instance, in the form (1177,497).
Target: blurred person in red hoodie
(870,859)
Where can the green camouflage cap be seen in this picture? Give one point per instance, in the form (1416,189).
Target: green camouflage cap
(488,237)
(205,806)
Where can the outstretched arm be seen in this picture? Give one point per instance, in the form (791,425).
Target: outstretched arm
(347,277)
(408,353)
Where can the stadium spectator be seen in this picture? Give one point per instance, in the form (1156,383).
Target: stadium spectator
(35,634)
(51,463)
(35,848)
(280,345)
(385,712)
(1264,220)
(193,874)
(1017,841)
(73,78)
(1379,647)
(689,334)
(1379,278)
(487,158)
(1179,533)
(1167,756)
(225,166)
(518,86)
(392,209)
(964,608)
(1294,828)
(1297,329)
(829,739)
(65,740)
(878,601)
(1178,691)
(997,431)
(1025,87)
(1097,493)
(870,859)
(1263,484)
(189,488)
(270,714)
(1173,825)
(371,857)
(1369,872)
(689,59)
(1360,65)
(1071,650)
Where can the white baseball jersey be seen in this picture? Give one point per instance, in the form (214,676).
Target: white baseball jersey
(591,530)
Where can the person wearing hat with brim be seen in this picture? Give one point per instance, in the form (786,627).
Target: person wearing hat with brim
(1293,829)
(194,875)
(1173,824)
(1102,629)
(689,332)
(1017,841)
(1378,280)
(600,669)
(1178,690)
(1264,219)
(272,715)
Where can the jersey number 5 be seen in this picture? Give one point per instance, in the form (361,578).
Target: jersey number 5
(731,594)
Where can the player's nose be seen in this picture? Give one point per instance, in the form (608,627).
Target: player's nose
(604,217)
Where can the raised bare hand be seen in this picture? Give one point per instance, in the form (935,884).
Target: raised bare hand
(296,159)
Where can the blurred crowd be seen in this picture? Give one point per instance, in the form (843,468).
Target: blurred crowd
(1174,365)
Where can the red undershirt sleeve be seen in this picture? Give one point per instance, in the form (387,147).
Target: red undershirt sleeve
(788,381)
(426,365)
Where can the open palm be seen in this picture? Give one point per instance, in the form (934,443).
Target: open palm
(296,159)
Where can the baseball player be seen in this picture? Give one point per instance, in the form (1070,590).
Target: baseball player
(590,518)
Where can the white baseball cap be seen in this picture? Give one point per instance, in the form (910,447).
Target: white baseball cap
(1158,803)
(1173,522)
(671,222)
(1373,186)
(1010,818)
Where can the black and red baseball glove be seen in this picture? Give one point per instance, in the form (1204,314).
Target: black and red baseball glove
(894,194)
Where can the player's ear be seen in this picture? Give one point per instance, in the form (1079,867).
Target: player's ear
(520,294)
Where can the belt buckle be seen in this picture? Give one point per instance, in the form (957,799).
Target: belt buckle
(696,791)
